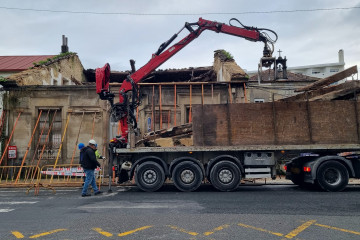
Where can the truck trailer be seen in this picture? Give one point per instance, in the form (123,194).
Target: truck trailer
(233,142)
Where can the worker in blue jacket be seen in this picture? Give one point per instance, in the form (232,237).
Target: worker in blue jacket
(81,147)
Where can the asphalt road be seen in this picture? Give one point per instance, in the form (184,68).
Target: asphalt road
(251,212)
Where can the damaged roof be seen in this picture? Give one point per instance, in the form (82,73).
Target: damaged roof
(158,76)
(20,63)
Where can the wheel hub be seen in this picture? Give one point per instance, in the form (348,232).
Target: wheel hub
(225,176)
(149,176)
(187,176)
(332,176)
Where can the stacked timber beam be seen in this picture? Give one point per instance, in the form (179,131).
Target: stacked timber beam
(320,90)
(175,136)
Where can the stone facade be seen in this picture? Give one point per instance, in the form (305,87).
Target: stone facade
(79,115)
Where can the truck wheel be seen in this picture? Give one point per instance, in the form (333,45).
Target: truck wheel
(149,176)
(225,176)
(187,176)
(332,176)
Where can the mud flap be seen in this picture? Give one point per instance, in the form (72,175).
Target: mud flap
(123,176)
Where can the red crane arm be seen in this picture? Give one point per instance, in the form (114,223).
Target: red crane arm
(203,25)
(161,56)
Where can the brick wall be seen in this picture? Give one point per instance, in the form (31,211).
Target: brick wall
(332,122)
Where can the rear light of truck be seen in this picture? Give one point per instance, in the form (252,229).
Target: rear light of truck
(307,169)
(285,167)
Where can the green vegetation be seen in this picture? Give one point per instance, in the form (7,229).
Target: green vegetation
(2,79)
(227,55)
(49,60)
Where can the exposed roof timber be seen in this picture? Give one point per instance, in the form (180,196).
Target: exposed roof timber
(331,79)
(177,75)
(346,90)
(328,93)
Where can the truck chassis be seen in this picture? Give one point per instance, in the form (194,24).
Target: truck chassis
(225,166)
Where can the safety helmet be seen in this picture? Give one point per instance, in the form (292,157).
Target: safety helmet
(81,145)
(92,142)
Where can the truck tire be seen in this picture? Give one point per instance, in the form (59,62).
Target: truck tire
(187,176)
(332,176)
(225,176)
(149,176)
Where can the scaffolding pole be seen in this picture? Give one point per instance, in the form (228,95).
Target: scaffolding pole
(8,143)
(28,146)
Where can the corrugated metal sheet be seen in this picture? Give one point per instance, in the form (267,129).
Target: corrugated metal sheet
(20,63)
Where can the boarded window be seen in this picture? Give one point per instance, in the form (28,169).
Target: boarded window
(51,136)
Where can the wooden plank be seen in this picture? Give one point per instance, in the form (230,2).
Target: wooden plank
(348,89)
(317,94)
(326,81)
(315,122)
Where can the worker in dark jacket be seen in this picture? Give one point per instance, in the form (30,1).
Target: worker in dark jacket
(89,163)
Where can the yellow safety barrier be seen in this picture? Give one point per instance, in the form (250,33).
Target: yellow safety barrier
(18,176)
(63,175)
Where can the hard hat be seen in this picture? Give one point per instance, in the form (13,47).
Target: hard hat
(92,142)
(81,145)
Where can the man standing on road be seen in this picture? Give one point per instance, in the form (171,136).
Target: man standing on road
(89,163)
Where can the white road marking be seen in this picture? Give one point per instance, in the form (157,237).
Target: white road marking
(6,210)
(146,205)
(15,203)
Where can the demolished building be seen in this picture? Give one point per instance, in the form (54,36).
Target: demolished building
(54,106)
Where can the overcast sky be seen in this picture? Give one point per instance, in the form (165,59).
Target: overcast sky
(136,28)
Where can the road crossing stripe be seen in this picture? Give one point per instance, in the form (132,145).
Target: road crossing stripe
(299,229)
(184,231)
(339,229)
(260,229)
(106,234)
(216,229)
(47,233)
(6,210)
(17,234)
(132,231)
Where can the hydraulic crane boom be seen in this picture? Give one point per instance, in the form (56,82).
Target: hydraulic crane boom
(125,108)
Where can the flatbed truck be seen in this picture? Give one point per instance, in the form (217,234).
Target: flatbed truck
(224,163)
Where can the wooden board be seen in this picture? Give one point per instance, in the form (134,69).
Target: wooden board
(277,123)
